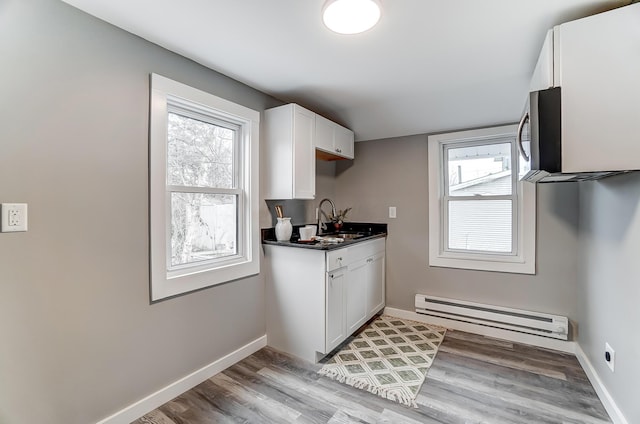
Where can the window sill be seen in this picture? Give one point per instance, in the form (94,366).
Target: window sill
(515,265)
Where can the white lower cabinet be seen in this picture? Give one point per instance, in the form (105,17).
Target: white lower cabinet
(316,299)
(335,308)
(356,295)
(375,281)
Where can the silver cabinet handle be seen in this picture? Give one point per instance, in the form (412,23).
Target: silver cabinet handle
(339,150)
(369,260)
(524,119)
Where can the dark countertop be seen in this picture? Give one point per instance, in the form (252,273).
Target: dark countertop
(369,231)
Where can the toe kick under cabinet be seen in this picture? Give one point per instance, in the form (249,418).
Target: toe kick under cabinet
(318,298)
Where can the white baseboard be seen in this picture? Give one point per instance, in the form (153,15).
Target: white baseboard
(498,333)
(604,395)
(151,402)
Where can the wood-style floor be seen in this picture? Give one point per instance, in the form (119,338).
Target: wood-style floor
(473,379)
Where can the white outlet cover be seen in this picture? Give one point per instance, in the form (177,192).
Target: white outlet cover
(392,212)
(612,362)
(14,217)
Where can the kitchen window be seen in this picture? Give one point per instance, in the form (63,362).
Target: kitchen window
(480,216)
(203,189)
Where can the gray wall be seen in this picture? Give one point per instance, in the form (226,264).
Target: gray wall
(79,338)
(394,172)
(609,291)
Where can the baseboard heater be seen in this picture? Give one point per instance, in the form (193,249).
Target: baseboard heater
(536,323)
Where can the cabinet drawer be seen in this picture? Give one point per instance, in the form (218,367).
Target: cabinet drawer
(366,249)
(337,259)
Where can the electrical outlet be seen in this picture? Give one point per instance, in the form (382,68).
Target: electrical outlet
(14,217)
(610,356)
(392,212)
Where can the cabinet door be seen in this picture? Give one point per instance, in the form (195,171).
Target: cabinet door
(324,134)
(375,284)
(288,153)
(304,158)
(333,138)
(343,142)
(599,67)
(355,295)
(335,320)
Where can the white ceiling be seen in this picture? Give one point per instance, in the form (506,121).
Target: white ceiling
(428,66)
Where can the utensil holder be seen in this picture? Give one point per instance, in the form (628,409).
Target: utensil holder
(284,229)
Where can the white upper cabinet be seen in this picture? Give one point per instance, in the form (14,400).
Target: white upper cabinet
(597,66)
(343,142)
(289,166)
(596,63)
(332,140)
(291,136)
(543,73)
(324,134)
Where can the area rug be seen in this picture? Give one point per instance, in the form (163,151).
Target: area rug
(389,358)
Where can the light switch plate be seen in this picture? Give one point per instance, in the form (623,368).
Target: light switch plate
(14,217)
(392,211)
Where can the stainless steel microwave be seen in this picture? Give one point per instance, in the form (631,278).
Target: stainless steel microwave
(539,140)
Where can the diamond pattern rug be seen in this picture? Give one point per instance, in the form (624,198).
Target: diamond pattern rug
(389,358)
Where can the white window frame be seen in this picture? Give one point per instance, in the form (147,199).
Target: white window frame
(522,259)
(167,281)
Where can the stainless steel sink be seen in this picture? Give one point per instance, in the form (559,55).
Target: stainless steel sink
(347,236)
(350,236)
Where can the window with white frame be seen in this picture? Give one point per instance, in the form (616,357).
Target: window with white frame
(203,189)
(480,215)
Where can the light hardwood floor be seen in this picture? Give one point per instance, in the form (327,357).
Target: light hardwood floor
(473,379)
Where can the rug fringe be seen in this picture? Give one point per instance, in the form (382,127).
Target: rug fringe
(363,385)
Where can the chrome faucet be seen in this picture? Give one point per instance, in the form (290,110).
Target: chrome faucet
(322,226)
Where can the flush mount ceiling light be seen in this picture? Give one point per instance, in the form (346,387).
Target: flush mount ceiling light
(350,16)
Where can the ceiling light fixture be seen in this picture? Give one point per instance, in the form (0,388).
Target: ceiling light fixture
(350,16)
